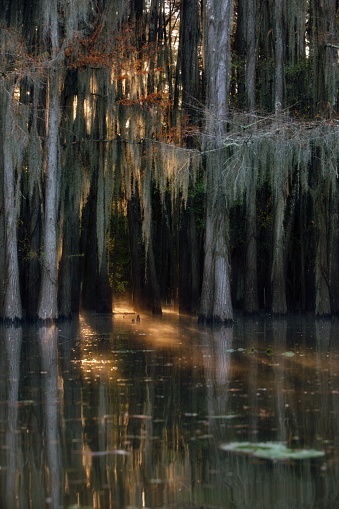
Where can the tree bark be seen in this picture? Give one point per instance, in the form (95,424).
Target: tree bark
(33,273)
(251,54)
(322,279)
(278,274)
(155,299)
(216,305)
(133,214)
(251,302)
(48,305)
(334,253)
(12,299)
(279,56)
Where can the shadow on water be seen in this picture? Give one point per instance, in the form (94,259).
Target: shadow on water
(104,413)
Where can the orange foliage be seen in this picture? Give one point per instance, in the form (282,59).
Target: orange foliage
(104,49)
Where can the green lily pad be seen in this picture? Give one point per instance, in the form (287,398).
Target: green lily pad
(288,354)
(271,450)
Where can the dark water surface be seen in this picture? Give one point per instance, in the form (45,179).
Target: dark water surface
(106,413)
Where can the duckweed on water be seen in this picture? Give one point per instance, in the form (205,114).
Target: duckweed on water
(271,450)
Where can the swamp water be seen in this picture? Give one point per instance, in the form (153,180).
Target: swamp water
(107,413)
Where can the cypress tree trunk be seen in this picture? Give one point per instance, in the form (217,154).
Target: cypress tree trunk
(322,280)
(2,233)
(48,306)
(279,56)
(189,262)
(278,274)
(189,35)
(184,246)
(33,273)
(133,214)
(323,16)
(251,53)
(12,301)
(334,252)
(155,298)
(216,305)
(90,249)
(68,294)
(251,303)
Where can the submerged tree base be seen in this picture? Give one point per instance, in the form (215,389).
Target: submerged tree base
(215,320)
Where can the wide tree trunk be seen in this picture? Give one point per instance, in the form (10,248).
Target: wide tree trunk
(216,305)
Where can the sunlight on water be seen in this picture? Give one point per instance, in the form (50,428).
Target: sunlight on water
(107,412)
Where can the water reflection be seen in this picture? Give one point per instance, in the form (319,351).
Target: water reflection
(107,413)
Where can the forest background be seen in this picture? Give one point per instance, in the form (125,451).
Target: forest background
(174,150)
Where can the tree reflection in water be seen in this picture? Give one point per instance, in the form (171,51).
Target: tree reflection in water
(106,413)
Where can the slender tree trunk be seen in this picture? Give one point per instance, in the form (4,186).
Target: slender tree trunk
(279,56)
(278,274)
(323,16)
(68,267)
(12,299)
(154,283)
(251,54)
(322,280)
(90,249)
(2,238)
(251,303)
(33,272)
(133,214)
(48,305)
(334,254)
(302,254)
(189,34)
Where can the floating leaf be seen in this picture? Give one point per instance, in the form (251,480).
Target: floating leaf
(120,452)
(269,351)
(288,354)
(271,450)
(226,416)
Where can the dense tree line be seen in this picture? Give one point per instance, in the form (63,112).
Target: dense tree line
(178,150)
